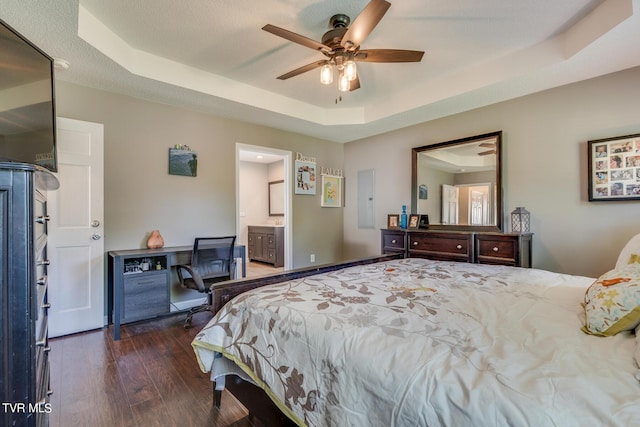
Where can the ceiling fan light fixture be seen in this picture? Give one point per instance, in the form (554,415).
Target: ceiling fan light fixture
(343,83)
(350,69)
(326,74)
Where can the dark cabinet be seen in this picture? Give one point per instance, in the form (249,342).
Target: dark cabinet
(465,246)
(266,244)
(144,287)
(24,364)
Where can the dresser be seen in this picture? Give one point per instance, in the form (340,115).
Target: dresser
(266,243)
(464,246)
(24,364)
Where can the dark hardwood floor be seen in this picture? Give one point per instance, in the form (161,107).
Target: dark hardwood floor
(150,377)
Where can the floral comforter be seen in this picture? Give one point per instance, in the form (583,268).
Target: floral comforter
(415,342)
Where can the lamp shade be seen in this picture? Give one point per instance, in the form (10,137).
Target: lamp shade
(326,74)
(350,70)
(520,220)
(343,83)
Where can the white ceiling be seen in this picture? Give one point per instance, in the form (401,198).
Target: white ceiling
(212,56)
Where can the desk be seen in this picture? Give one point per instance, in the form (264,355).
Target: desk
(134,294)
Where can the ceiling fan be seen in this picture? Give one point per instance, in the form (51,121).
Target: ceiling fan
(491,145)
(341,46)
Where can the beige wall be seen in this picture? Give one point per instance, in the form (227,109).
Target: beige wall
(141,196)
(545,170)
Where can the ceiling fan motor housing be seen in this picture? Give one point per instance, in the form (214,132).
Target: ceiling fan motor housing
(339,24)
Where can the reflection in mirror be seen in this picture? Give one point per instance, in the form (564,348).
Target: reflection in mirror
(457,183)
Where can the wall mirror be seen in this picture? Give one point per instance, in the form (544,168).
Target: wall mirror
(276,198)
(458,183)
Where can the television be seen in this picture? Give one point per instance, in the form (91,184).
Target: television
(27,103)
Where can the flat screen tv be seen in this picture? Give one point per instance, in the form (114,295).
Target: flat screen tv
(27,108)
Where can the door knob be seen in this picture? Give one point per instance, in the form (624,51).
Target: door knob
(95,223)
(96,236)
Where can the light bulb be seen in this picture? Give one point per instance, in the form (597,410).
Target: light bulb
(343,83)
(326,74)
(350,69)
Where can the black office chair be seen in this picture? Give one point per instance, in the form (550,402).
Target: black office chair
(212,261)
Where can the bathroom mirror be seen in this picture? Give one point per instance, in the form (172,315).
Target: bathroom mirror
(276,198)
(458,183)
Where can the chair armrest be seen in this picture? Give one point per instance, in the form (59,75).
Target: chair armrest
(194,276)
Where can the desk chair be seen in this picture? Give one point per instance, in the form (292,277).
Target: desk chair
(212,261)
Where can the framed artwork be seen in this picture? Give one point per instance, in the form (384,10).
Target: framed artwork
(614,168)
(393,221)
(423,192)
(305,177)
(183,162)
(413,221)
(424,221)
(331,191)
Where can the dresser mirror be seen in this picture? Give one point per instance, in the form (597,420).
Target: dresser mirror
(458,183)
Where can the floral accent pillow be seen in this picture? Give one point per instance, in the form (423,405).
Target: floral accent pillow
(612,302)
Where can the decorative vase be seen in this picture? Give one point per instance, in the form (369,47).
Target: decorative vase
(403,217)
(155,240)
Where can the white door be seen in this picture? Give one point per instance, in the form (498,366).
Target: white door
(449,204)
(477,207)
(75,245)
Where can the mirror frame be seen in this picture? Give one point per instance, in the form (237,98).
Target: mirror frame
(276,198)
(499,206)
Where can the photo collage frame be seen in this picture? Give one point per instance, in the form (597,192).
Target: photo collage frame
(614,168)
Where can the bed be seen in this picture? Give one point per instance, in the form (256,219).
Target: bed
(426,343)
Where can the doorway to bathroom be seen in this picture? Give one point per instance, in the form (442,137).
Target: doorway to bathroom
(263,208)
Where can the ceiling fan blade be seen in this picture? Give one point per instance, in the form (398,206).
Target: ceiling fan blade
(296,38)
(354,84)
(484,153)
(389,55)
(487,145)
(303,69)
(364,23)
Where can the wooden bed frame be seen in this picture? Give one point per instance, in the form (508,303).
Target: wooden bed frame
(259,405)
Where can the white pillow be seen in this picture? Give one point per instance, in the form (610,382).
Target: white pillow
(632,247)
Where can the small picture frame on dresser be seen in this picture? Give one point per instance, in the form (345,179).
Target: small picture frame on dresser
(424,221)
(393,221)
(413,222)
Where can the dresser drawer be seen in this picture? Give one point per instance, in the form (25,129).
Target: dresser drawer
(42,366)
(504,249)
(441,246)
(393,241)
(41,310)
(40,215)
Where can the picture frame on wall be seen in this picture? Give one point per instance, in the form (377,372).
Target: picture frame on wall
(305,177)
(393,221)
(183,161)
(331,191)
(614,168)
